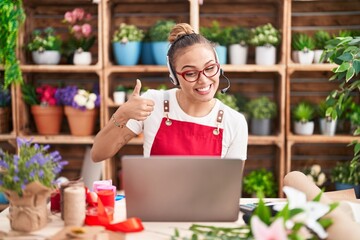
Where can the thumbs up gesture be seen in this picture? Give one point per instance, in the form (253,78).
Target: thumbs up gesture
(137,107)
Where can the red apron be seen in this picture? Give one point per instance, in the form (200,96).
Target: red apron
(185,138)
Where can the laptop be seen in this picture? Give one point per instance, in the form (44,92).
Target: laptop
(182,189)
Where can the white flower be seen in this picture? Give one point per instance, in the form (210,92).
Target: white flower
(90,105)
(315,170)
(80,100)
(321,179)
(92,97)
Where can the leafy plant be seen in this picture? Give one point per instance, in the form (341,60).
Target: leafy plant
(265,35)
(128,33)
(321,37)
(354,114)
(261,108)
(216,34)
(302,42)
(12,16)
(120,88)
(342,173)
(303,112)
(239,35)
(323,109)
(44,40)
(228,99)
(260,180)
(160,31)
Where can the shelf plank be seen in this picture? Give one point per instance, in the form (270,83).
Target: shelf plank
(60,68)
(7,137)
(61,139)
(311,67)
(318,138)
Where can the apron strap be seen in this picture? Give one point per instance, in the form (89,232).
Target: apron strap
(167,108)
(219,119)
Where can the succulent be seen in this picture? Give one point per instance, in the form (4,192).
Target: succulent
(265,35)
(321,38)
(303,112)
(302,42)
(128,33)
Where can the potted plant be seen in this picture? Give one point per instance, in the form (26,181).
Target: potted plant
(315,174)
(159,33)
(45,46)
(5,100)
(147,56)
(238,45)
(261,111)
(81,109)
(81,39)
(45,107)
(260,180)
(27,178)
(119,94)
(228,99)
(342,176)
(12,17)
(321,37)
(126,44)
(327,122)
(303,115)
(303,46)
(220,37)
(265,38)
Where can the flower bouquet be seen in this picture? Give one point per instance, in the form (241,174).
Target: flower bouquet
(80,40)
(81,109)
(45,107)
(27,179)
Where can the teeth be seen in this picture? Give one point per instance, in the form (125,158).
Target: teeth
(204,89)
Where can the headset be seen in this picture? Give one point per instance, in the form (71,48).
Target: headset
(175,81)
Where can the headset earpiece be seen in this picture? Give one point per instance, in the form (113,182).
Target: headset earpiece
(172,74)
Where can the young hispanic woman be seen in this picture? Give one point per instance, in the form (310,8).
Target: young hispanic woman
(186,120)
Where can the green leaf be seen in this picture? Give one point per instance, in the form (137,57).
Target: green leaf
(350,73)
(356,66)
(346,57)
(343,67)
(357,149)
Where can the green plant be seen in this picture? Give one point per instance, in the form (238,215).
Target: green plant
(160,31)
(342,173)
(345,52)
(128,33)
(120,88)
(228,99)
(12,16)
(260,180)
(44,40)
(264,35)
(323,109)
(239,35)
(45,95)
(321,37)
(354,114)
(216,34)
(261,108)
(302,42)
(303,112)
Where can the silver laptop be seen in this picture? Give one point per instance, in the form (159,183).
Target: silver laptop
(182,189)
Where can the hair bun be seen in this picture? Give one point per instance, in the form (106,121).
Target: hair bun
(180,30)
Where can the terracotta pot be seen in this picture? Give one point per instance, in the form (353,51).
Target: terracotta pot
(81,122)
(4,119)
(48,119)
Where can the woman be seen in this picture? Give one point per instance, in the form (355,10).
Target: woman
(187,120)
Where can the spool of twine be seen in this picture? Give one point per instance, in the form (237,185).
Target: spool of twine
(74,206)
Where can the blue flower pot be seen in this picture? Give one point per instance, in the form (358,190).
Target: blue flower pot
(343,186)
(160,50)
(127,54)
(3,199)
(147,56)
(222,54)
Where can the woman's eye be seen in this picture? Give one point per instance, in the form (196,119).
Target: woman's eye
(209,68)
(191,74)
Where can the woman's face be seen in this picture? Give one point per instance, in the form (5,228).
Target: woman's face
(198,57)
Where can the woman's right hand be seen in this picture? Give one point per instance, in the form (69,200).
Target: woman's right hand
(136,107)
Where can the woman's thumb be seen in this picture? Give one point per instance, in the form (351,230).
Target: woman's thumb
(137,88)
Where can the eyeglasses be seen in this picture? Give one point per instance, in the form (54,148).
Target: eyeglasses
(193,75)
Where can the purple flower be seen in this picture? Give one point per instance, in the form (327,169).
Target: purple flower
(41,173)
(4,164)
(16,178)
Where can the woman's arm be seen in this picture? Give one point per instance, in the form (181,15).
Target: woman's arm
(115,134)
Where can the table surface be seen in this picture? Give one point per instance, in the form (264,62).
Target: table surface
(153,230)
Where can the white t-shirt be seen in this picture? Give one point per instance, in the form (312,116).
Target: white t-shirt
(234,125)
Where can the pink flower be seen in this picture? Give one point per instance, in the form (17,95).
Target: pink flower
(263,232)
(69,18)
(78,13)
(88,17)
(86,29)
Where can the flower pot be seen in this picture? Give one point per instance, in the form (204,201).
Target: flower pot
(146,55)
(265,55)
(306,57)
(81,122)
(4,119)
(127,54)
(306,128)
(48,119)
(327,127)
(119,97)
(343,186)
(295,56)
(317,56)
(159,50)
(260,127)
(221,52)
(48,57)
(238,54)
(82,58)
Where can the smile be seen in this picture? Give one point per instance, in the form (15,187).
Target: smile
(204,89)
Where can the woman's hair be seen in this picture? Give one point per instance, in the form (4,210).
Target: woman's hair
(181,36)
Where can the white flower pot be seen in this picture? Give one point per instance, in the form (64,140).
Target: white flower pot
(82,58)
(48,57)
(265,55)
(238,54)
(295,56)
(317,56)
(119,97)
(306,57)
(327,127)
(306,128)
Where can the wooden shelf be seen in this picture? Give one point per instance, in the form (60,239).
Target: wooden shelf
(61,139)
(318,138)
(7,137)
(310,67)
(60,68)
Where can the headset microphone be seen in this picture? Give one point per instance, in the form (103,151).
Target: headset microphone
(228,86)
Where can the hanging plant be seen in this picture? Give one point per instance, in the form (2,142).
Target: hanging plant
(12,15)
